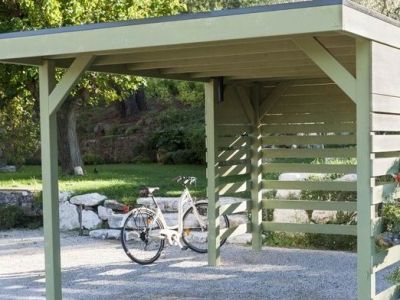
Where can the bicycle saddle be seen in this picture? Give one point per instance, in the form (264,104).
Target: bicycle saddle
(152,189)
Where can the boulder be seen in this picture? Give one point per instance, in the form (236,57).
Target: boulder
(116,220)
(64,196)
(90,220)
(113,234)
(293,194)
(290,216)
(92,199)
(69,217)
(8,169)
(116,206)
(104,212)
(237,219)
(348,177)
(242,239)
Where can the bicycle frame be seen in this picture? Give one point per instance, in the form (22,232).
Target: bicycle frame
(173,233)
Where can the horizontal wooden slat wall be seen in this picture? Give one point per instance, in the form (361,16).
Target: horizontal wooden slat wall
(310,121)
(233,130)
(385,148)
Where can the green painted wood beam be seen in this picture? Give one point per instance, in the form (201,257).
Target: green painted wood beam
(324,59)
(68,81)
(48,129)
(214,234)
(311,228)
(201,30)
(366,211)
(273,98)
(310,205)
(256,170)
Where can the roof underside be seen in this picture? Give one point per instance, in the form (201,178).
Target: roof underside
(255,43)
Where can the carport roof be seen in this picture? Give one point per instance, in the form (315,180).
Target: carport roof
(251,43)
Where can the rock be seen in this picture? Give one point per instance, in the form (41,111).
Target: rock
(294,194)
(116,220)
(64,196)
(23,199)
(290,216)
(166,203)
(348,177)
(69,217)
(8,169)
(92,199)
(113,234)
(237,219)
(323,216)
(78,171)
(242,239)
(385,239)
(90,220)
(104,212)
(116,206)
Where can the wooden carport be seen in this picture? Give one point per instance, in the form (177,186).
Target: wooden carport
(318,72)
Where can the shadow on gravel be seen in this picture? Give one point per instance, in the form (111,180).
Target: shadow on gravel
(270,274)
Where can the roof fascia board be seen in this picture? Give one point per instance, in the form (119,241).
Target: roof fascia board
(360,23)
(243,26)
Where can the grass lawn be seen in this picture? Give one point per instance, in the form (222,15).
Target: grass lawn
(118,181)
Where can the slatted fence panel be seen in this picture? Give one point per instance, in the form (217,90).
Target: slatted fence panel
(234,138)
(385,147)
(310,126)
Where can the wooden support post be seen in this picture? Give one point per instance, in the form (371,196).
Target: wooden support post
(256,173)
(51,98)
(365,208)
(212,179)
(48,129)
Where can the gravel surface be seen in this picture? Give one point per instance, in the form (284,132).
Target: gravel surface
(96,269)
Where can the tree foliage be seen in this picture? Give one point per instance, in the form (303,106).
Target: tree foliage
(18,85)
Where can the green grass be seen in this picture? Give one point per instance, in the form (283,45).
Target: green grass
(119,181)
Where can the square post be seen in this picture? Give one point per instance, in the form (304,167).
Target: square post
(256,174)
(212,178)
(48,129)
(365,207)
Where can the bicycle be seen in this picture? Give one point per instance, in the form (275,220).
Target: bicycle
(145,230)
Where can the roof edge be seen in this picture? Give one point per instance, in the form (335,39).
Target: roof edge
(179,17)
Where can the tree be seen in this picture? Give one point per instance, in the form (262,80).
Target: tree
(94,87)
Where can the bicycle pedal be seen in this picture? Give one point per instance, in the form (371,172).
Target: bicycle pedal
(184,248)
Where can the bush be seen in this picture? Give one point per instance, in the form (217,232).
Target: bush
(11,217)
(180,135)
(92,159)
(391,217)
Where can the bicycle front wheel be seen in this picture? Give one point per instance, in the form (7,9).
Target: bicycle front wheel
(194,235)
(140,237)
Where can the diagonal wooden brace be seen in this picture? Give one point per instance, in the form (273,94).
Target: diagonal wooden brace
(327,63)
(67,83)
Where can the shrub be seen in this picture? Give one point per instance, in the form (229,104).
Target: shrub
(391,217)
(92,159)
(10,217)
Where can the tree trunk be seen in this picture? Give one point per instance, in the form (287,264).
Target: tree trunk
(68,142)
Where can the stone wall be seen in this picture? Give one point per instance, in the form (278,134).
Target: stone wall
(21,198)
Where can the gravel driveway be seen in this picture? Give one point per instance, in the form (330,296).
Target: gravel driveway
(96,269)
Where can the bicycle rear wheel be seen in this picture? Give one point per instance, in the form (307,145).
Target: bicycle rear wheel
(140,238)
(194,235)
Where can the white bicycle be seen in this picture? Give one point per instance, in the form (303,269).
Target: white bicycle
(145,230)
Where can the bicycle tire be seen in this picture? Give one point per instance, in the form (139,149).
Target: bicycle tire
(130,222)
(224,223)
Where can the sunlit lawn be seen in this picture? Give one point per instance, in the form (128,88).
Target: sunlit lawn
(118,181)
